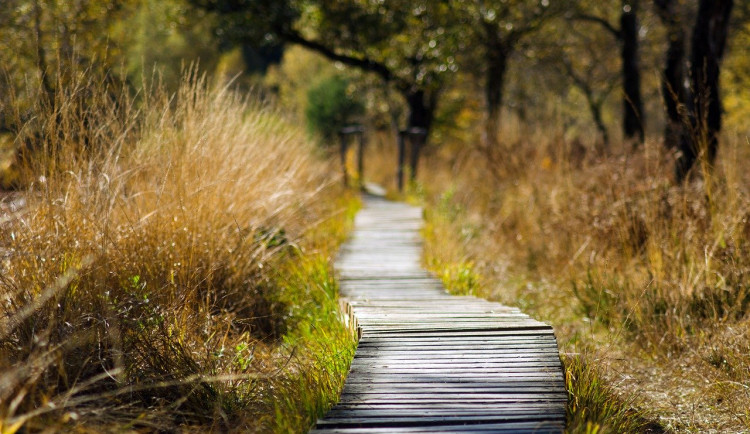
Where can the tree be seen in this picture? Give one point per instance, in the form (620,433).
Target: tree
(497,28)
(583,79)
(44,42)
(41,40)
(405,43)
(165,36)
(674,93)
(708,43)
(627,35)
(631,77)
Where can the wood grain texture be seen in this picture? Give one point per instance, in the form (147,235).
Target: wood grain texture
(428,361)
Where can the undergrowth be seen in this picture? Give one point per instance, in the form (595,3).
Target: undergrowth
(322,344)
(594,406)
(170,269)
(649,277)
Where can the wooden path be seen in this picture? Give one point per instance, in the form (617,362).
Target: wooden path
(428,361)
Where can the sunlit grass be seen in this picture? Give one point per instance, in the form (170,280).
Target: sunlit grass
(171,267)
(646,275)
(594,406)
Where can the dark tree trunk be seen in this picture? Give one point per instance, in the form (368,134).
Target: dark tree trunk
(595,107)
(497,65)
(41,58)
(420,108)
(708,43)
(421,104)
(673,78)
(632,103)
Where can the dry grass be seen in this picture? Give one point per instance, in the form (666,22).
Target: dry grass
(142,286)
(646,280)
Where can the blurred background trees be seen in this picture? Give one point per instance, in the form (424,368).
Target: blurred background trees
(656,65)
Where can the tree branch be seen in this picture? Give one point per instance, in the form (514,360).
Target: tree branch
(617,33)
(358,62)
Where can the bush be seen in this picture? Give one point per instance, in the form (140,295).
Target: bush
(330,107)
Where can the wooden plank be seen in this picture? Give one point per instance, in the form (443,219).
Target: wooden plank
(486,400)
(395,381)
(451,337)
(468,376)
(450,361)
(478,399)
(458,343)
(395,421)
(448,406)
(551,411)
(394,390)
(547,332)
(401,329)
(545,427)
(458,367)
(458,352)
(448,358)
(375,410)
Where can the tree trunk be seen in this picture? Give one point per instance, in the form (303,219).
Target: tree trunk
(631,77)
(41,59)
(708,43)
(497,66)
(421,104)
(673,78)
(595,107)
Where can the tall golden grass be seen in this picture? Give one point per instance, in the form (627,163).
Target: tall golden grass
(140,284)
(645,279)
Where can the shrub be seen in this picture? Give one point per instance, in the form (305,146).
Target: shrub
(330,107)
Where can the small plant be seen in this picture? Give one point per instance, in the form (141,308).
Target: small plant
(459,278)
(595,407)
(598,300)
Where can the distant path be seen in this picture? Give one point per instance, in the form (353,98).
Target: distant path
(428,361)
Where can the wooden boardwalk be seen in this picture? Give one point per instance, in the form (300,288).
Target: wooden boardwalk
(428,361)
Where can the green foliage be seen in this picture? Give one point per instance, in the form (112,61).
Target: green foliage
(165,37)
(331,105)
(444,255)
(321,347)
(736,78)
(460,278)
(597,298)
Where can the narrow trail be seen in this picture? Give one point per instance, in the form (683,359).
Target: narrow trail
(428,361)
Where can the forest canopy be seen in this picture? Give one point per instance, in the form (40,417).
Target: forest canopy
(617,69)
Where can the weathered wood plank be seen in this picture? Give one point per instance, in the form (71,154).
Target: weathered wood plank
(417,381)
(395,421)
(375,410)
(515,375)
(519,428)
(476,399)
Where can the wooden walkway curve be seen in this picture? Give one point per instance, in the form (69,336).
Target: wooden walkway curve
(428,361)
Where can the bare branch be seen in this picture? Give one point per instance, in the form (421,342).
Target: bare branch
(359,62)
(617,33)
